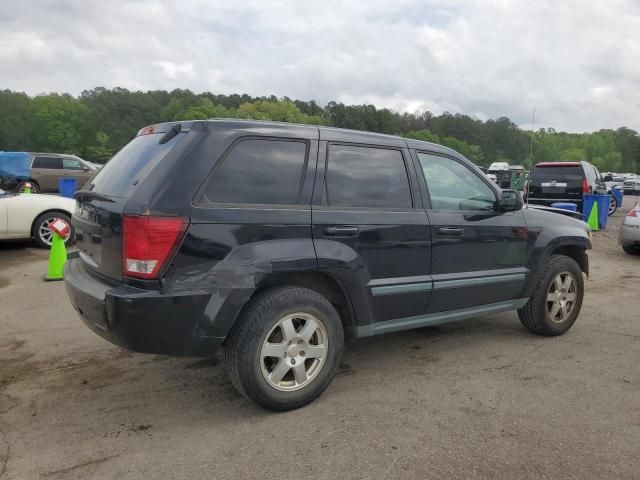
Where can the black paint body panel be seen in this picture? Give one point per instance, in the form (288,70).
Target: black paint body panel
(397,265)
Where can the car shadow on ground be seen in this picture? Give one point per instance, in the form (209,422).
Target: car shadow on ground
(156,387)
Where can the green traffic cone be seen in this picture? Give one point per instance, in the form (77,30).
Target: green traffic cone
(57,258)
(592,221)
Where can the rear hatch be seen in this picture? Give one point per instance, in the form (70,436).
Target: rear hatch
(100,207)
(561,180)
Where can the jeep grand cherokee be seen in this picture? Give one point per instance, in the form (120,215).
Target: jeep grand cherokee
(275,241)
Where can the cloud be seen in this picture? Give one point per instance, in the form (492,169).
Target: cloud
(574,61)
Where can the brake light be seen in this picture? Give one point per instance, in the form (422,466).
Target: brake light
(147,130)
(632,213)
(148,243)
(585,186)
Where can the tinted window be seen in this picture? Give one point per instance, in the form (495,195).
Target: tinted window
(132,164)
(258,172)
(70,164)
(548,174)
(47,162)
(366,177)
(453,186)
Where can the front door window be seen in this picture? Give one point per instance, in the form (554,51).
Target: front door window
(453,186)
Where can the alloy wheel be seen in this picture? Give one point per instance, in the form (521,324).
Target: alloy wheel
(46,234)
(561,297)
(294,351)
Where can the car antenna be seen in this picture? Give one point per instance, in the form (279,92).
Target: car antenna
(533,121)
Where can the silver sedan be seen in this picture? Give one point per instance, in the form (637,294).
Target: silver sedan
(630,231)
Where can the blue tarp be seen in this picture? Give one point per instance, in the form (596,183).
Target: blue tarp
(15,164)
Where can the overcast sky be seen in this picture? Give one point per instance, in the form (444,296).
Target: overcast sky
(576,62)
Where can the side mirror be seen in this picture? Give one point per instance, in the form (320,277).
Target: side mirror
(510,201)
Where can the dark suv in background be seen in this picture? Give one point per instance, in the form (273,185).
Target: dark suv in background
(277,241)
(551,182)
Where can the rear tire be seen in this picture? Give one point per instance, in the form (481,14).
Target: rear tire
(35,188)
(42,234)
(557,298)
(613,206)
(285,348)
(631,249)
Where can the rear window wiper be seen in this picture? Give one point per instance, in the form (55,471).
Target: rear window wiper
(175,130)
(89,194)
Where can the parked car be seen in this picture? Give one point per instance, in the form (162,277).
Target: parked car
(279,240)
(551,182)
(612,181)
(632,186)
(629,235)
(46,168)
(30,216)
(502,173)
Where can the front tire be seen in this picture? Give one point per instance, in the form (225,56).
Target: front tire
(285,348)
(557,298)
(631,249)
(42,233)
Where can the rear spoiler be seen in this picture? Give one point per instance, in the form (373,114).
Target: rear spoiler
(165,128)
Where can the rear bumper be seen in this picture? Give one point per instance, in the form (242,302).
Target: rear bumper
(141,320)
(629,235)
(548,201)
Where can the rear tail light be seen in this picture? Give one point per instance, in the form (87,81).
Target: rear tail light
(148,243)
(585,186)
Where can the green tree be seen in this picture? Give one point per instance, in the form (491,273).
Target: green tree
(573,155)
(60,123)
(280,111)
(15,115)
(99,151)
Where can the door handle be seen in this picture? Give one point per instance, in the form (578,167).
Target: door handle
(341,231)
(453,231)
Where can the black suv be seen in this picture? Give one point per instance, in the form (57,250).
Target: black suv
(277,241)
(551,182)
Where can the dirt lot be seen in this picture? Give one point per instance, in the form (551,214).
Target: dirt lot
(476,399)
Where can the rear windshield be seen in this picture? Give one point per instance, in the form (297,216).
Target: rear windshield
(132,164)
(560,174)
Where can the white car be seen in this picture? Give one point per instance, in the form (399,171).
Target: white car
(629,236)
(632,185)
(24,216)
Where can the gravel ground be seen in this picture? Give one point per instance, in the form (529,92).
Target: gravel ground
(476,399)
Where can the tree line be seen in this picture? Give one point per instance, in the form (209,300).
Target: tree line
(100,121)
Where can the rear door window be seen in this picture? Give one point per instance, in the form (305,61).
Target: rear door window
(132,164)
(258,171)
(366,177)
(54,163)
